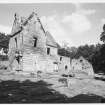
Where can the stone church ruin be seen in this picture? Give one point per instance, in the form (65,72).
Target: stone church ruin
(32,49)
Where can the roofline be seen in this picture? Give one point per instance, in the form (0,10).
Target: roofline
(21,28)
(52,45)
(16,32)
(64,56)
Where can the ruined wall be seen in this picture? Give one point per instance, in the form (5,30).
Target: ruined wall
(38,62)
(81,65)
(37,59)
(33,30)
(53,50)
(24,40)
(64,64)
(34,58)
(12,43)
(76,65)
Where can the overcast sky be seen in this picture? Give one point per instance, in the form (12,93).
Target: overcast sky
(75,23)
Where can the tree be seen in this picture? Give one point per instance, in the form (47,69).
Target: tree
(98,60)
(4,40)
(102,36)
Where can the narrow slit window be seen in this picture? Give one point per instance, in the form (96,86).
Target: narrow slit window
(66,67)
(60,58)
(35,42)
(48,51)
(16,41)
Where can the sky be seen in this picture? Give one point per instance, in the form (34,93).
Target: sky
(72,23)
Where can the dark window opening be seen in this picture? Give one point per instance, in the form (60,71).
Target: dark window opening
(16,41)
(55,62)
(35,42)
(60,58)
(81,60)
(66,67)
(48,51)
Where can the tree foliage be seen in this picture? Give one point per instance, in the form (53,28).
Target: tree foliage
(98,60)
(4,40)
(102,36)
(95,54)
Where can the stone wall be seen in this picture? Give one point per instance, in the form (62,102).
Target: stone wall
(37,62)
(64,65)
(82,66)
(53,50)
(34,58)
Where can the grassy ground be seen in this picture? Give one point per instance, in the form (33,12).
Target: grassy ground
(31,92)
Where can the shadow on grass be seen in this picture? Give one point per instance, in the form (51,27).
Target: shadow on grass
(30,92)
(100,78)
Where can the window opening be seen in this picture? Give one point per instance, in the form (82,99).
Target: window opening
(35,42)
(48,51)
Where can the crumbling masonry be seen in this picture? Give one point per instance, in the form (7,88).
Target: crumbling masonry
(32,49)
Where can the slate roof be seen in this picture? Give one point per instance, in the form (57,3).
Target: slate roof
(50,41)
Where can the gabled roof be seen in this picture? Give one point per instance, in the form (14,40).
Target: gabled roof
(25,21)
(50,41)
